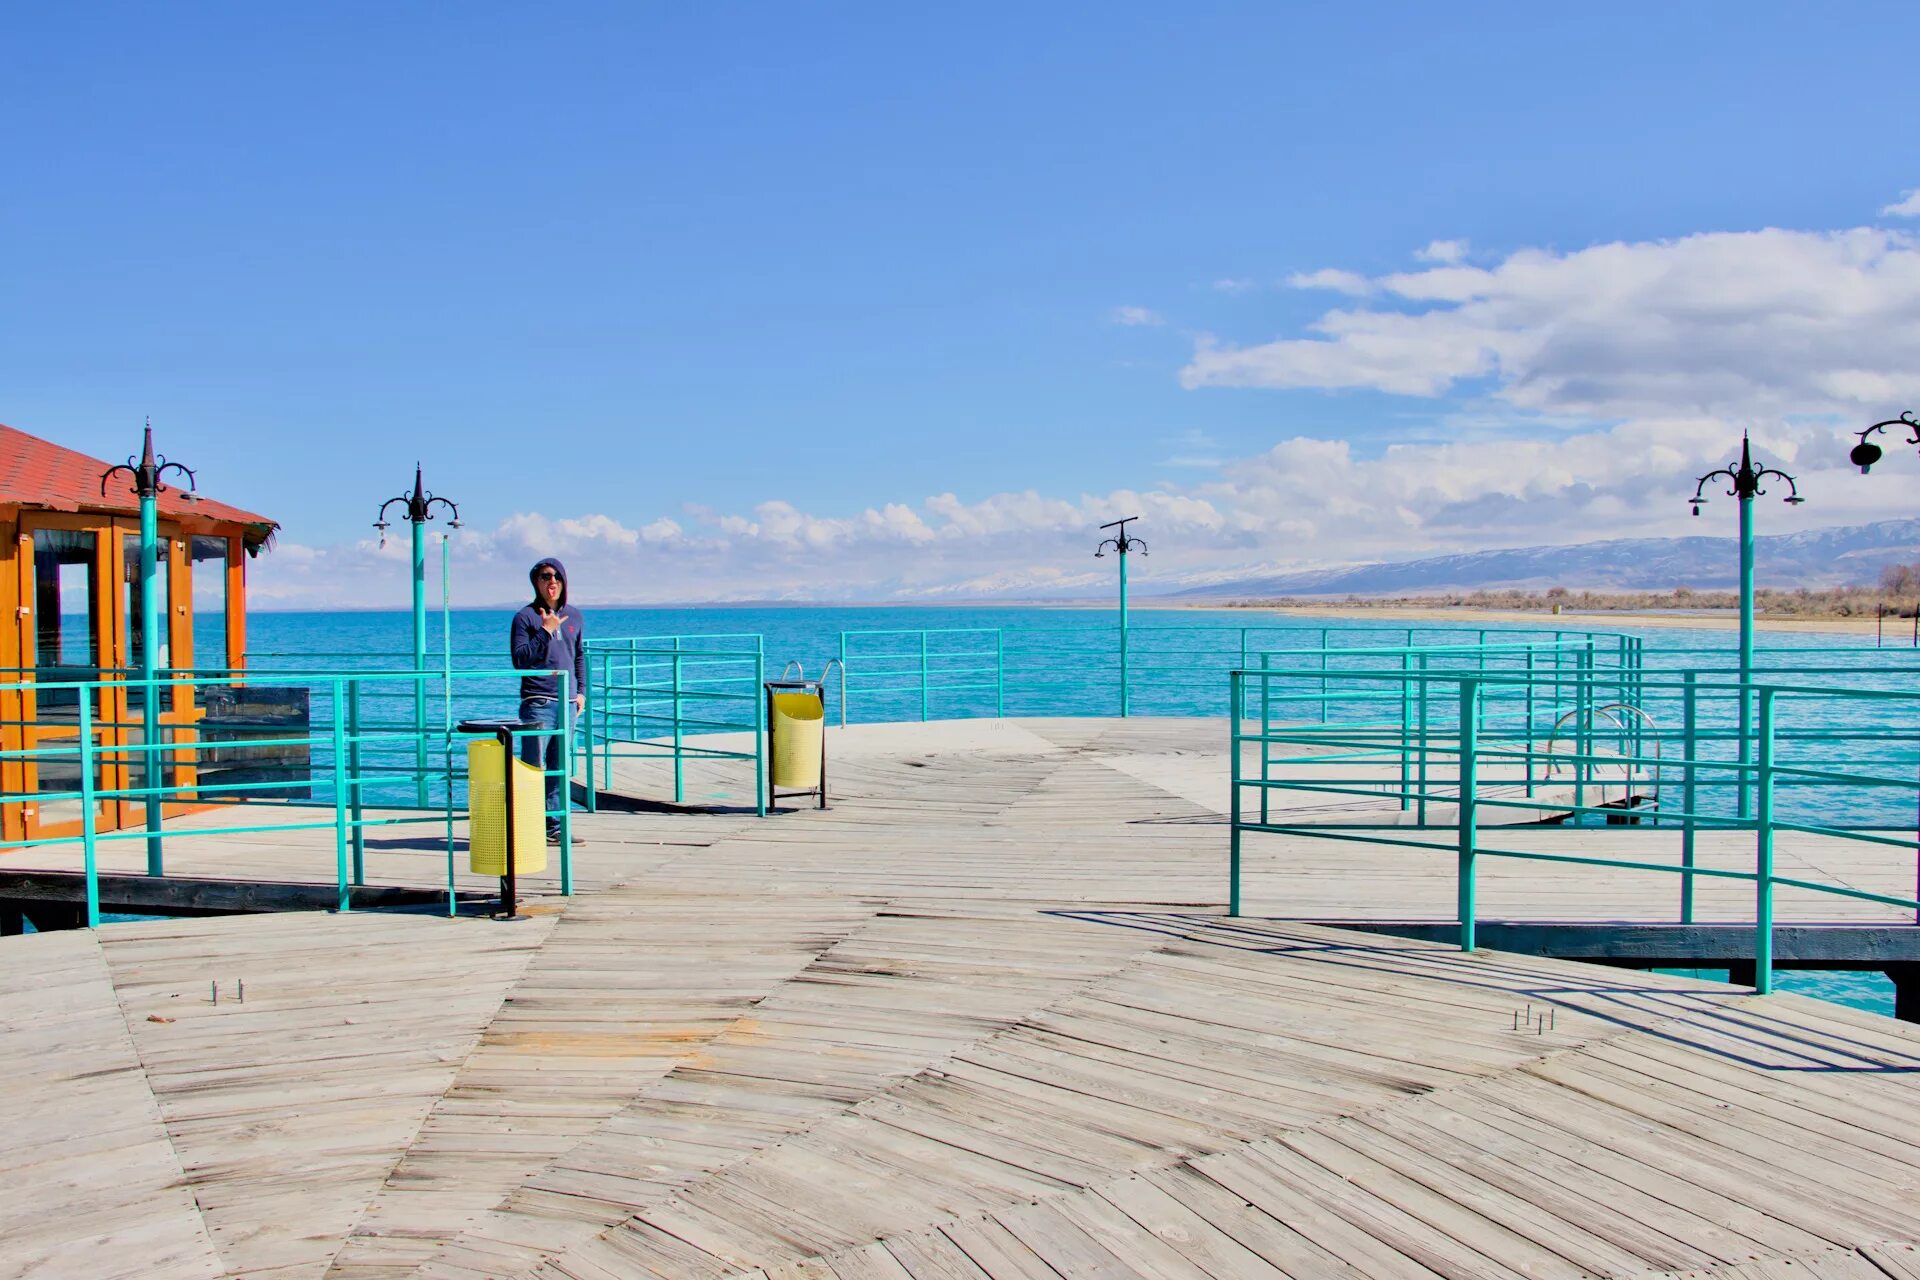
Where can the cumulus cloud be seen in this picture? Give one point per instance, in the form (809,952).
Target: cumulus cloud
(1761,323)
(1445,251)
(1236,284)
(1133,316)
(1908,206)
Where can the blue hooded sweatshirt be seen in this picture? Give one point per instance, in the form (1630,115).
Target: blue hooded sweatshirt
(536,650)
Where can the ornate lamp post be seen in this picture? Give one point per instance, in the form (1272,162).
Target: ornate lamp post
(1122,544)
(418,509)
(1745,479)
(145,473)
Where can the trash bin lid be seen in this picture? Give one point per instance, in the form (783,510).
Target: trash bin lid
(807,685)
(511,724)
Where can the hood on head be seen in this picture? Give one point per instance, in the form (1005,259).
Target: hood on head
(557,567)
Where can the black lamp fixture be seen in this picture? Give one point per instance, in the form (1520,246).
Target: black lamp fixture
(418,505)
(1120,542)
(146,472)
(1746,479)
(1865,454)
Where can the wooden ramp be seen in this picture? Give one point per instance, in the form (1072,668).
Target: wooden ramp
(982,1018)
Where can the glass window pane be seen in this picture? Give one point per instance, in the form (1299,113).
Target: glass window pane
(209,603)
(64,604)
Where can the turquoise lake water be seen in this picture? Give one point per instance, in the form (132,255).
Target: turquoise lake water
(1060,661)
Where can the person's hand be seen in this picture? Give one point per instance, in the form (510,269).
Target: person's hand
(551,621)
(579,703)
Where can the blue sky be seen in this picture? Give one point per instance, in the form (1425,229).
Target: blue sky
(940,284)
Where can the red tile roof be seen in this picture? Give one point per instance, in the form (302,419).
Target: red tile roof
(39,474)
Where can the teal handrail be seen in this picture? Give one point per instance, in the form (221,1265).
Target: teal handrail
(342,755)
(1480,733)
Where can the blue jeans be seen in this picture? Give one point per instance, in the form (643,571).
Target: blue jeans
(544,752)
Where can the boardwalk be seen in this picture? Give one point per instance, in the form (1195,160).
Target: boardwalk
(983,1018)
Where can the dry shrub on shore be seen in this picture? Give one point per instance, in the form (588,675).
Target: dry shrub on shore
(1897,595)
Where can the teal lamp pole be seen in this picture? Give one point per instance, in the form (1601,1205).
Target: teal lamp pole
(1864,455)
(1122,544)
(418,507)
(145,472)
(1745,480)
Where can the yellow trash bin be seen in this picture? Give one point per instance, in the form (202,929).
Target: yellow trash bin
(487,812)
(796,740)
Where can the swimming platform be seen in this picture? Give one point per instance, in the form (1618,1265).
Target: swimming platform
(983,1016)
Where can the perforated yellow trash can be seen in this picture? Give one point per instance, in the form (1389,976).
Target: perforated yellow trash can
(796,740)
(487,813)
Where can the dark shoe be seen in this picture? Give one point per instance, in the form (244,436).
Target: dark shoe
(553,837)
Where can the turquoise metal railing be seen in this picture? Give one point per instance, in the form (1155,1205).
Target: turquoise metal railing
(1456,744)
(1177,670)
(324,774)
(646,696)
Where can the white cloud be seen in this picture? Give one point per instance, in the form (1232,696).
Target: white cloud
(1445,251)
(1332,280)
(1305,501)
(1761,323)
(1598,384)
(1134,316)
(1240,284)
(1908,206)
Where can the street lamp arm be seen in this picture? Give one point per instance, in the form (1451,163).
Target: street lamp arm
(1793,490)
(1700,489)
(452,507)
(1865,453)
(381,521)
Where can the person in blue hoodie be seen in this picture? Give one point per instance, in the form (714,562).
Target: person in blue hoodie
(546,636)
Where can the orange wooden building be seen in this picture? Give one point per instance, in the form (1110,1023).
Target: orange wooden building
(70,576)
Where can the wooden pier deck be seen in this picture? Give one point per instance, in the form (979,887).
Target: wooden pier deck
(982,1018)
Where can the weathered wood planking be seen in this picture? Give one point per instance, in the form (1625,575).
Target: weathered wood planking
(90,1183)
(978,1019)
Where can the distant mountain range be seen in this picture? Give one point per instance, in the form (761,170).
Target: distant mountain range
(1816,558)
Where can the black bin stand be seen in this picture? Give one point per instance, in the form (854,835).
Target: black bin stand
(816,689)
(503,728)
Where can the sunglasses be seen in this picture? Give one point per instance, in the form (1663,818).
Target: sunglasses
(546,575)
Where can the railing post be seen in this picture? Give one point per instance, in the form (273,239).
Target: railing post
(680,729)
(1420,802)
(1266,734)
(353,773)
(566,726)
(1689,721)
(88,822)
(1406,724)
(1583,727)
(1529,715)
(341,820)
(1469,806)
(1763,850)
(1235,691)
(843,679)
(999,674)
(593,701)
(760,733)
(923,676)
